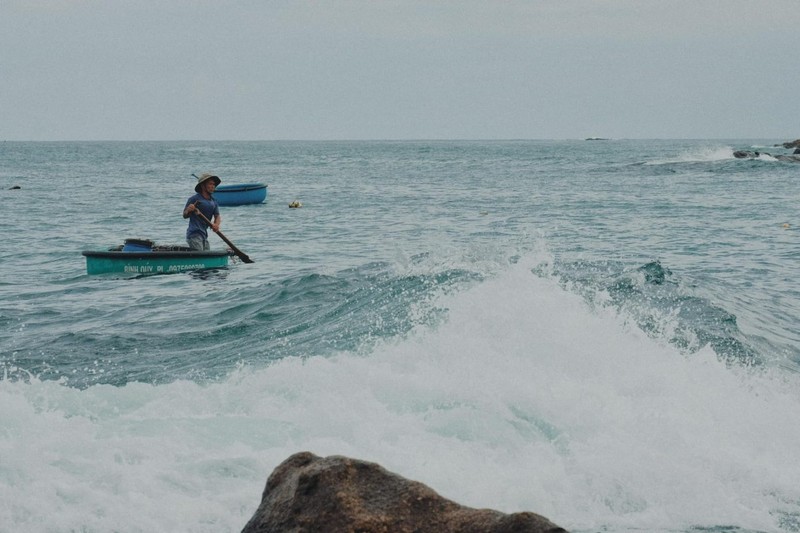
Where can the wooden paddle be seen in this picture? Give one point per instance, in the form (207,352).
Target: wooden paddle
(243,256)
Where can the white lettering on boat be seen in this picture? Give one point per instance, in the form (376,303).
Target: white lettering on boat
(140,269)
(149,269)
(180,268)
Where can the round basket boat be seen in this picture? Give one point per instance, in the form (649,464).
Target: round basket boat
(243,194)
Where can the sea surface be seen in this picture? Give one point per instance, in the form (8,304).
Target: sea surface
(602,332)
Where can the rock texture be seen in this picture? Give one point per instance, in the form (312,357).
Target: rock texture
(339,494)
(791,144)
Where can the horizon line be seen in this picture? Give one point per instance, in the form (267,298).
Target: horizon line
(410,139)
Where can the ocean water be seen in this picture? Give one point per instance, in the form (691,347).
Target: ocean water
(602,332)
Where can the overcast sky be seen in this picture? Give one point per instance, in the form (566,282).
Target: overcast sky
(416,69)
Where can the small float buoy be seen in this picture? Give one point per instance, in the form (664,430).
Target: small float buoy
(786,226)
(295,204)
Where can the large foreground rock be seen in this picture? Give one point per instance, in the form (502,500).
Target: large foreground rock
(339,494)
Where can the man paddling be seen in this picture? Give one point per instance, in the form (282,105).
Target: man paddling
(203,202)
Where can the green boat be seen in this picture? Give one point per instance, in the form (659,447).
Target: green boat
(141,257)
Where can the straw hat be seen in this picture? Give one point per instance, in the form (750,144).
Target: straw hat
(203,177)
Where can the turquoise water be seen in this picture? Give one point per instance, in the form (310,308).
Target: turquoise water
(602,332)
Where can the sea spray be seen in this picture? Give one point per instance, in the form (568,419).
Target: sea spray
(524,398)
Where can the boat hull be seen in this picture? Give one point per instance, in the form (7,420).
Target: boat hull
(155,262)
(247,193)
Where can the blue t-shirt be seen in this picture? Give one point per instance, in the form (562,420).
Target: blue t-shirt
(198,226)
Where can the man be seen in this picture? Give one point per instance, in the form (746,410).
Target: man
(202,202)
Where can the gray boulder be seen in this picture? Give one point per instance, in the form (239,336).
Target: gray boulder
(339,494)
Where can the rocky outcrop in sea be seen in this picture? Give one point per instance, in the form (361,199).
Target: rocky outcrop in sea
(791,144)
(339,494)
(793,158)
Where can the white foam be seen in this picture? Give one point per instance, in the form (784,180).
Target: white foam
(523,400)
(698,155)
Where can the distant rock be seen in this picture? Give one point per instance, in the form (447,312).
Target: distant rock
(339,494)
(791,144)
(747,154)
